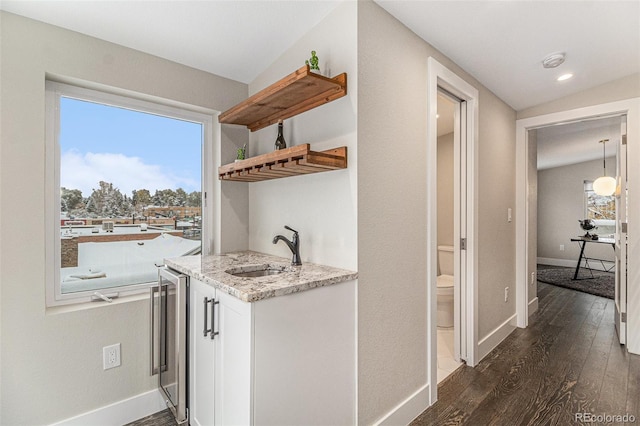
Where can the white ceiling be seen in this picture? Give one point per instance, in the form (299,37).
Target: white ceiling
(572,143)
(233,39)
(500,43)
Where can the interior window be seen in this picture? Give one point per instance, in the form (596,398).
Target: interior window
(128,190)
(601,209)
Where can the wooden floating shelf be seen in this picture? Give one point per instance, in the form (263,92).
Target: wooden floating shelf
(294,161)
(296,93)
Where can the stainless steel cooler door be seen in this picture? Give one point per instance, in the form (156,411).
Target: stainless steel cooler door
(169,337)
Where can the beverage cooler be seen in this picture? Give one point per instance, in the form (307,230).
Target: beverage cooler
(169,314)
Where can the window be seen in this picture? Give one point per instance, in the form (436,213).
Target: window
(125,190)
(601,209)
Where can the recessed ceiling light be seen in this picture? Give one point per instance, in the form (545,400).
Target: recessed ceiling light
(553,60)
(564,77)
(437,115)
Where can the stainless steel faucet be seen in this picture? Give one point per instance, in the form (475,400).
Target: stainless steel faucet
(293,245)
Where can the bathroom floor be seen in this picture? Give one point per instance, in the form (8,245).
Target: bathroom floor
(446,363)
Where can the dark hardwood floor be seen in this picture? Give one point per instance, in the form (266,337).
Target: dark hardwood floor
(162,418)
(568,361)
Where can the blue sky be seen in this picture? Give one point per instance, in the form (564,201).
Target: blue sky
(130,149)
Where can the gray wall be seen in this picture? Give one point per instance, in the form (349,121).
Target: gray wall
(623,88)
(322,206)
(52,359)
(560,206)
(392,98)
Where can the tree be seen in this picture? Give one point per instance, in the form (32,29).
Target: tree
(90,207)
(106,201)
(127,206)
(169,197)
(156,200)
(140,199)
(165,197)
(194,199)
(181,197)
(70,199)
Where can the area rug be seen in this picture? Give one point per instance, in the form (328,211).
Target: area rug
(602,283)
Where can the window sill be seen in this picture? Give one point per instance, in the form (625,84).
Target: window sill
(604,222)
(71,306)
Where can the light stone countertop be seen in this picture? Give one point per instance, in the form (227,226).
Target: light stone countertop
(211,270)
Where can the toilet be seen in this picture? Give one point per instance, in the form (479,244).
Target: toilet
(445,287)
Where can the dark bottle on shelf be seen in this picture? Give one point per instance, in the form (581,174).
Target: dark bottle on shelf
(280,142)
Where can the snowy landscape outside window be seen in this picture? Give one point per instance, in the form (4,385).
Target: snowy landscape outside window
(601,209)
(130,193)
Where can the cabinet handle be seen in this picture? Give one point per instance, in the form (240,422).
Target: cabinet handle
(153,291)
(213,318)
(205,330)
(205,303)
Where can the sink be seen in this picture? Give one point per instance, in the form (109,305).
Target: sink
(255,271)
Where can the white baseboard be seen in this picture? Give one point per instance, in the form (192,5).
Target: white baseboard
(120,412)
(494,338)
(533,306)
(557,262)
(595,265)
(407,410)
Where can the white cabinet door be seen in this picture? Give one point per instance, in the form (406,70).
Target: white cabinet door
(284,360)
(233,361)
(201,355)
(305,357)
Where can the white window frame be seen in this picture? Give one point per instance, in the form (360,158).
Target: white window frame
(588,187)
(53,92)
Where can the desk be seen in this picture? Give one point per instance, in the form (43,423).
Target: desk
(582,241)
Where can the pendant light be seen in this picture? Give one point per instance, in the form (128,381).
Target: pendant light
(604,185)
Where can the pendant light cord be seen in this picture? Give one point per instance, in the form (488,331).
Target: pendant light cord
(604,155)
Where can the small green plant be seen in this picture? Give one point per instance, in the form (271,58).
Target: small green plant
(313,61)
(241,153)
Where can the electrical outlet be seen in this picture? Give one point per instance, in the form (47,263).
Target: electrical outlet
(533,278)
(506,294)
(111,356)
(561,247)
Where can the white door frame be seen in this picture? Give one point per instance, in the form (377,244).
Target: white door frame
(630,107)
(620,246)
(440,76)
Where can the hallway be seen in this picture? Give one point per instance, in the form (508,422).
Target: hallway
(566,363)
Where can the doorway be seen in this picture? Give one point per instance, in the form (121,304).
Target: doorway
(446,86)
(628,311)
(449,218)
(571,159)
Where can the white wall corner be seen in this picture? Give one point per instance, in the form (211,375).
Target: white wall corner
(533,306)
(495,337)
(121,412)
(408,409)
